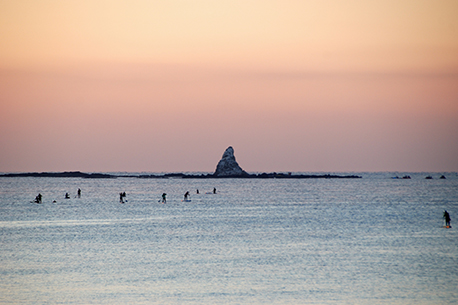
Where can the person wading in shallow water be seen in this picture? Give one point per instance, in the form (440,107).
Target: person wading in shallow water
(447,219)
(164,199)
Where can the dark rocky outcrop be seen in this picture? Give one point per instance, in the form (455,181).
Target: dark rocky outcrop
(177,175)
(61,175)
(228,166)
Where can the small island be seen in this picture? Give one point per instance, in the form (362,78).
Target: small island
(75,174)
(227,167)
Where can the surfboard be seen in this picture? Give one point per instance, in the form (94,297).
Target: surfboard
(186,200)
(447,227)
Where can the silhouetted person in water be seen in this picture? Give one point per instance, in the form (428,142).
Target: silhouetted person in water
(38,198)
(447,218)
(67,196)
(214,190)
(197,192)
(79,193)
(164,199)
(186,195)
(122,196)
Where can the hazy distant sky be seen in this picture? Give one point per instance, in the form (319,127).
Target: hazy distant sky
(306,85)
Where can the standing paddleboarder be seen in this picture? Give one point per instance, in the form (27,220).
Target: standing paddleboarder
(447,218)
(186,195)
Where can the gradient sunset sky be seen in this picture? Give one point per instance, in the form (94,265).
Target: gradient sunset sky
(318,85)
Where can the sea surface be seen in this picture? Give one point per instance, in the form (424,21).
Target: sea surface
(374,240)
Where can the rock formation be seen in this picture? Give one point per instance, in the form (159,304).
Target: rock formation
(227,166)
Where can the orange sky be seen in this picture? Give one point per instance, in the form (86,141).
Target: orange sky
(167,85)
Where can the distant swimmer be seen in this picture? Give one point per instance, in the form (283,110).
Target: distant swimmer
(186,195)
(447,218)
(79,193)
(214,190)
(197,192)
(67,196)
(164,198)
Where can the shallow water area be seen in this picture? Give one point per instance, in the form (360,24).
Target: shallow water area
(374,240)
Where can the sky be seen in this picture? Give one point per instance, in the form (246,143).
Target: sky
(165,86)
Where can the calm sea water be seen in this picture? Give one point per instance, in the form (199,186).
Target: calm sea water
(374,240)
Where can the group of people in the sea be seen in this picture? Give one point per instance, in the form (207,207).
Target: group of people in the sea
(163,199)
(123,195)
(187,195)
(39,197)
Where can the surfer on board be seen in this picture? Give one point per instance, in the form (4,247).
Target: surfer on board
(164,199)
(186,195)
(38,198)
(447,218)
(121,197)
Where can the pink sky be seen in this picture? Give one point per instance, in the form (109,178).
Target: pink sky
(169,85)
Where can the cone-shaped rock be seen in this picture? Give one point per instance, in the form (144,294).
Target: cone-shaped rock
(227,166)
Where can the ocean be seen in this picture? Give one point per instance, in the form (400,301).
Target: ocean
(374,240)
